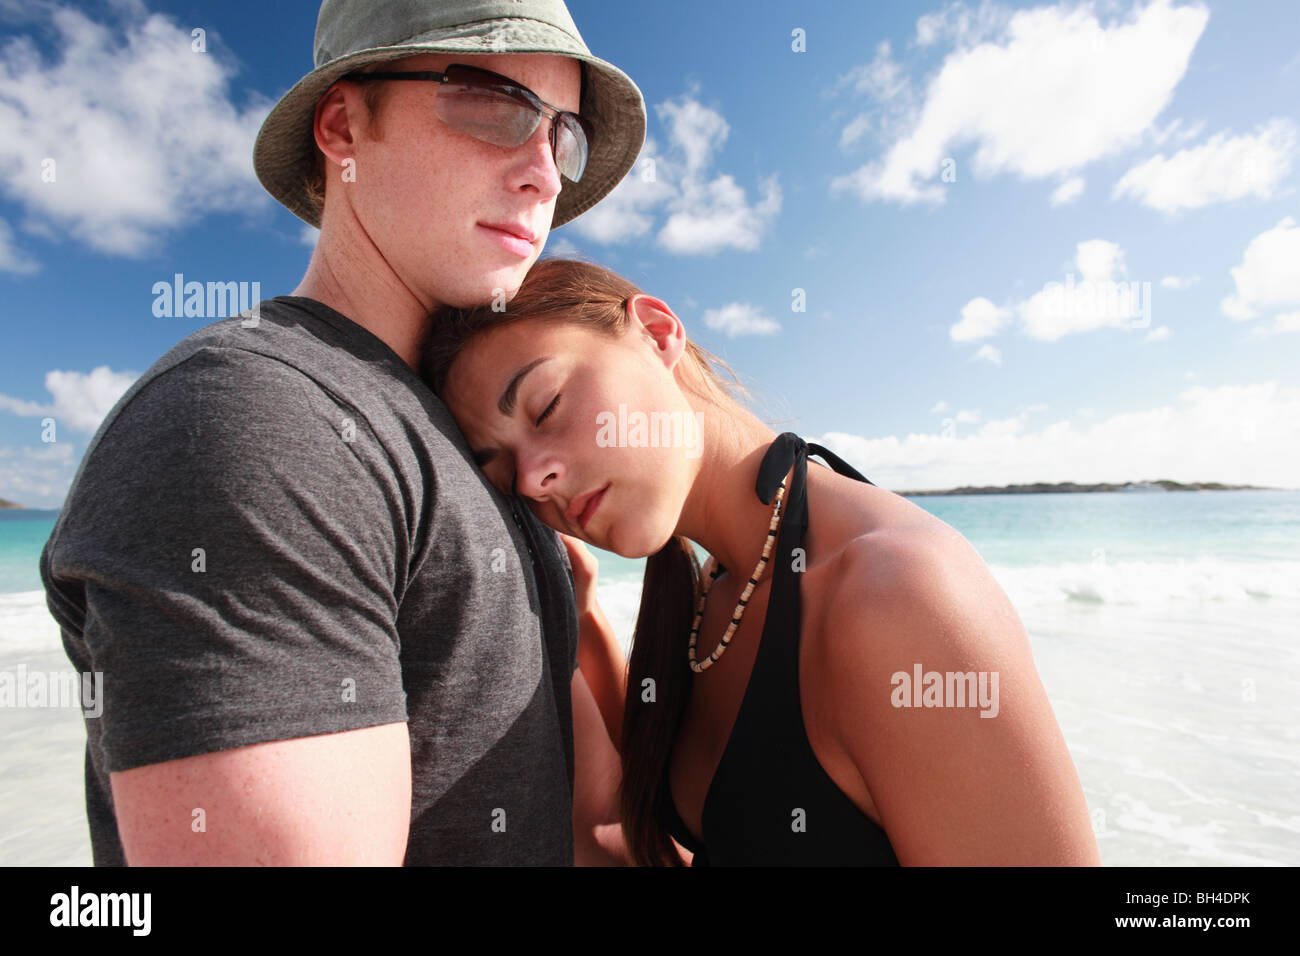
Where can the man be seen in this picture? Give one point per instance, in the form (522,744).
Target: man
(325,638)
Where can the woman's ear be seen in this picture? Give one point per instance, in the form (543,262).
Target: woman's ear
(657,323)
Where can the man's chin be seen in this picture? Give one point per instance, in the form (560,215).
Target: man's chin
(496,290)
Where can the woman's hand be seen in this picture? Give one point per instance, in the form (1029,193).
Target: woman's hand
(600,655)
(585,567)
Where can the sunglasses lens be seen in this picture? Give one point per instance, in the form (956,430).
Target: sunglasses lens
(487,114)
(570,147)
(488,109)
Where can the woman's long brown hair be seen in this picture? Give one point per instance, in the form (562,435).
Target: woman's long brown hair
(658,687)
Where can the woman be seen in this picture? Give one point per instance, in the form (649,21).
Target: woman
(770,715)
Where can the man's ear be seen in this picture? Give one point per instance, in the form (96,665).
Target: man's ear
(334,125)
(657,323)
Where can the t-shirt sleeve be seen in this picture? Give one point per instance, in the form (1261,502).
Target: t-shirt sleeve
(241,538)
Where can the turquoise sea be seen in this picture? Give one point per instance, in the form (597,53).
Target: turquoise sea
(1172,550)
(1189,544)
(1165,627)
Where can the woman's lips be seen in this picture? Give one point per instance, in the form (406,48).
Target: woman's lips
(591,507)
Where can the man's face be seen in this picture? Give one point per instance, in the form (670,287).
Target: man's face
(447,210)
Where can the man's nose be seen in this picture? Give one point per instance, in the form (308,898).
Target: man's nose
(535,167)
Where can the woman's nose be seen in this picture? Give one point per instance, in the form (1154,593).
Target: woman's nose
(539,474)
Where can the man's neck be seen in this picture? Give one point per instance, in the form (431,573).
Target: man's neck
(348,274)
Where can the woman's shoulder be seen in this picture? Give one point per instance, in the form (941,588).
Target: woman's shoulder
(868,536)
(887,563)
(897,580)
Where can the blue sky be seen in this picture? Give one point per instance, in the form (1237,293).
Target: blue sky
(1035,242)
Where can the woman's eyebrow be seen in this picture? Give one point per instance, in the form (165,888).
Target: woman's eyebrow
(506,405)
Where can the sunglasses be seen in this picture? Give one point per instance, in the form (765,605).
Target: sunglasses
(495,109)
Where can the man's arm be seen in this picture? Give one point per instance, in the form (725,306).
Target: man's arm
(239,577)
(597,830)
(335,799)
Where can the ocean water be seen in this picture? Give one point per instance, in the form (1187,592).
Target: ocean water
(1165,628)
(23,532)
(1160,551)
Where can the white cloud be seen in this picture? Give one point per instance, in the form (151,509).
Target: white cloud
(1219,170)
(1158,334)
(1098,259)
(960,25)
(1282,325)
(561,248)
(13,259)
(939,407)
(19,406)
(858,127)
(882,78)
(889,88)
(1176,131)
(980,318)
(717,216)
(140,129)
(627,213)
(738,318)
(81,400)
(1101,298)
(309,235)
(694,129)
(1002,426)
(1059,91)
(1067,192)
(988,353)
(37,477)
(1178,283)
(1235,434)
(706,213)
(1269,274)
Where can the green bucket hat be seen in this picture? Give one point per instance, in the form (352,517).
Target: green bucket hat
(351,34)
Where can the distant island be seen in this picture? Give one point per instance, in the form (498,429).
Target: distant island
(1068,487)
(6,503)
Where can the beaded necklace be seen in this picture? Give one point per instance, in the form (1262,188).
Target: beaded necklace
(721,649)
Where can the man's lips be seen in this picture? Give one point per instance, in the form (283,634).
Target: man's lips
(584,506)
(513,238)
(518,229)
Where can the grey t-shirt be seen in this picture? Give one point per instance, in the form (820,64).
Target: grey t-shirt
(279,532)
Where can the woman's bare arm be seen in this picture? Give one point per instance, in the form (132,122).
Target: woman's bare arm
(600,656)
(990,782)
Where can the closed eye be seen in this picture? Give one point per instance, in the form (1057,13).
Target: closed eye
(550,409)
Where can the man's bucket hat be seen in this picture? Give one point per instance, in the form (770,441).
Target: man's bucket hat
(351,34)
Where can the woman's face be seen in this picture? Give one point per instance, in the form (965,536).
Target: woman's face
(551,410)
